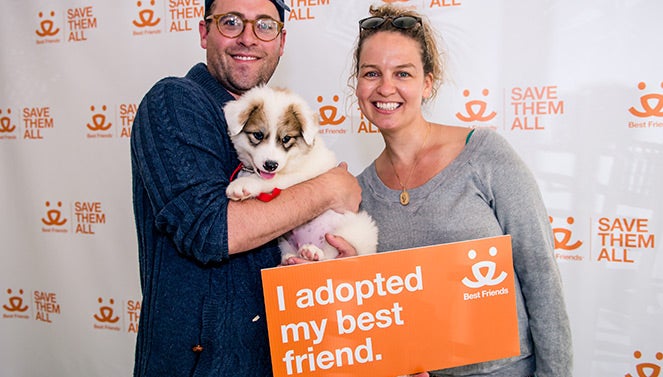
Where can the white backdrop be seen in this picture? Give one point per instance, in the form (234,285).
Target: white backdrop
(575,86)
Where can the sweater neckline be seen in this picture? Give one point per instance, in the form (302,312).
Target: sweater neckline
(418,194)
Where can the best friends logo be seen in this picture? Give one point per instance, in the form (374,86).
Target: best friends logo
(647,368)
(77,24)
(650,106)
(15,306)
(330,116)
(45,306)
(567,247)
(47,31)
(107,316)
(176,16)
(484,274)
(7,125)
(476,110)
(100,124)
(86,217)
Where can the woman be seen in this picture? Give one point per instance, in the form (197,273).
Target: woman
(436,183)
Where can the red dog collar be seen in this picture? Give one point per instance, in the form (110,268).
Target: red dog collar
(263,196)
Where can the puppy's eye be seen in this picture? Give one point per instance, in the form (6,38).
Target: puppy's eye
(258,136)
(286,139)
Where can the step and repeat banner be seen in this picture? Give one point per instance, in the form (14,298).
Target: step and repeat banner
(575,86)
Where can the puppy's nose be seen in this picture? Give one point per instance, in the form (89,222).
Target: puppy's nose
(270,165)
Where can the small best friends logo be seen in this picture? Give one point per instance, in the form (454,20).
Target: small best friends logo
(647,368)
(7,125)
(47,31)
(650,106)
(15,306)
(330,116)
(567,246)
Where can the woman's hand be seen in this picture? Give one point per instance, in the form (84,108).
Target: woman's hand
(339,243)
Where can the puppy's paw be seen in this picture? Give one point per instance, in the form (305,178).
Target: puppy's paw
(243,188)
(236,193)
(311,252)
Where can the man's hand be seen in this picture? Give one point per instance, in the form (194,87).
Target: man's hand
(345,188)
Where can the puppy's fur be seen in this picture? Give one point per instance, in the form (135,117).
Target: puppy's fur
(275,134)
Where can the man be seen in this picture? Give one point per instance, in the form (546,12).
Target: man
(200,254)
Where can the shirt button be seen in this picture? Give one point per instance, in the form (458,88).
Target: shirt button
(197,348)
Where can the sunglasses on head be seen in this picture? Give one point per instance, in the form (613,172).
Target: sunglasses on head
(400,22)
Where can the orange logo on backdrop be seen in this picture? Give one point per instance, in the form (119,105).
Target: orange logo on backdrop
(476,109)
(54,216)
(106,316)
(565,241)
(651,104)
(185,14)
(444,3)
(304,10)
(99,124)
(36,120)
(531,104)
(362,315)
(88,215)
(365,125)
(146,16)
(329,115)
(80,20)
(47,27)
(133,314)
(46,306)
(6,126)
(620,235)
(15,304)
(127,115)
(647,369)
(99,120)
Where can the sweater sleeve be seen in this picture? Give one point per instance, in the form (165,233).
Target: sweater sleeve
(181,155)
(520,210)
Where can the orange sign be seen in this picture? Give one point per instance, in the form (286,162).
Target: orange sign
(393,313)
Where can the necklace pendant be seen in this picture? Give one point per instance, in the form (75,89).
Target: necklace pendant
(405,197)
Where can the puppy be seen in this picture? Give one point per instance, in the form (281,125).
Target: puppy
(275,134)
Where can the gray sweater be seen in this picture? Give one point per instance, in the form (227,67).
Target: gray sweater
(487,191)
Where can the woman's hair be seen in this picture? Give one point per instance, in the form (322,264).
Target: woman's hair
(423,34)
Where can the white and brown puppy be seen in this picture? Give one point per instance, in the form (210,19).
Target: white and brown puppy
(275,134)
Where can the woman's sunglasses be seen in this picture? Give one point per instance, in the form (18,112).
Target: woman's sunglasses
(401,22)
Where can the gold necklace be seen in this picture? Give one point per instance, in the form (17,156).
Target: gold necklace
(405,196)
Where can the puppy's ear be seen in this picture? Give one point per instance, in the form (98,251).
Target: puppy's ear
(232,111)
(307,120)
(238,113)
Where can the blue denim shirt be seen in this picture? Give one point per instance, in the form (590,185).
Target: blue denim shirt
(203,310)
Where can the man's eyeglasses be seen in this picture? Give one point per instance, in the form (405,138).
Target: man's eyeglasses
(400,22)
(231,25)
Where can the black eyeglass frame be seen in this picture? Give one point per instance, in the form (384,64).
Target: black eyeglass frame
(393,20)
(217,17)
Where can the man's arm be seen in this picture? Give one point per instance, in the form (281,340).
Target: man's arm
(252,223)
